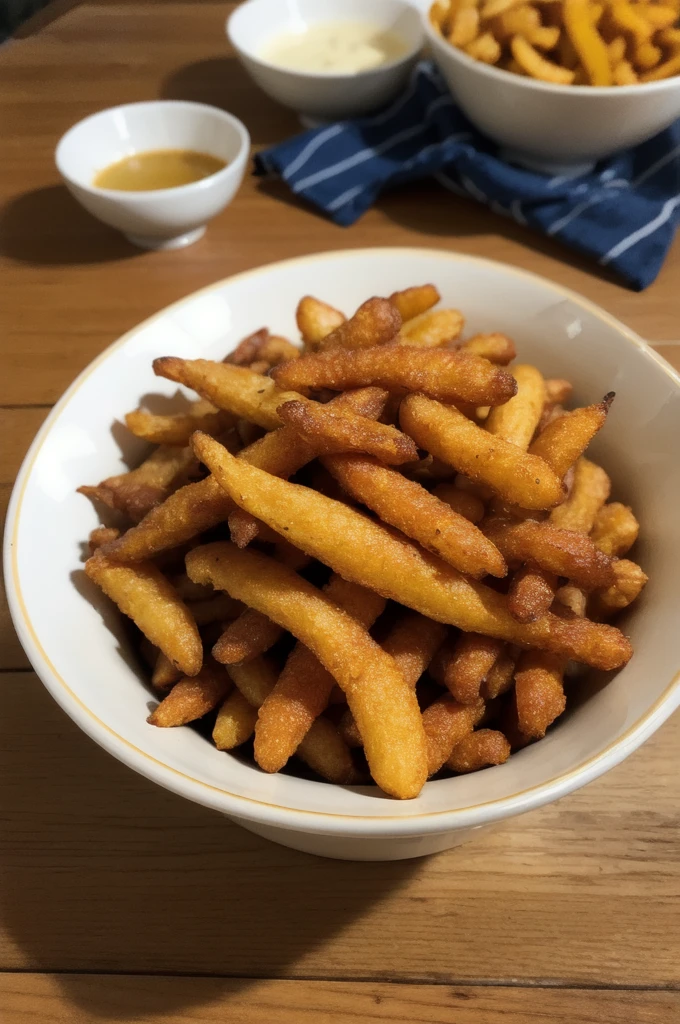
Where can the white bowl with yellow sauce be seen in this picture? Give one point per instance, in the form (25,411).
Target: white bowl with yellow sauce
(328,59)
(157,171)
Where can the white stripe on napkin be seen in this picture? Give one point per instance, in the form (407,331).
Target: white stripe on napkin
(643,232)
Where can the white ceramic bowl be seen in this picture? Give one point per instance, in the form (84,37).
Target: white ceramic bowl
(324,96)
(163,218)
(74,638)
(556,129)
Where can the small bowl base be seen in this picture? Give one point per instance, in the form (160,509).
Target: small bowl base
(179,242)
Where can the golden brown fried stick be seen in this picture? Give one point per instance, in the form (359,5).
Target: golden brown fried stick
(251,634)
(539,692)
(191,698)
(198,507)
(464,662)
(480,749)
(447,375)
(385,707)
(463,502)
(516,421)
(544,546)
(497,348)
(378,558)
(501,675)
(164,673)
(403,503)
(334,430)
(565,439)
(615,529)
(375,323)
(139,490)
(143,593)
(303,689)
(102,535)
(235,721)
(629,580)
(446,723)
(411,302)
(589,491)
(316,319)
(432,328)
(531,593)
(236,389)
(177,429)
(518,477)
(412,642)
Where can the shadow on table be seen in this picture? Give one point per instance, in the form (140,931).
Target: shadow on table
(222,82)
(47,227)
(102,871)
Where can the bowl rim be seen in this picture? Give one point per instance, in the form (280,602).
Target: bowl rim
(502,76)
(178,190)
(326,76)
(248,808)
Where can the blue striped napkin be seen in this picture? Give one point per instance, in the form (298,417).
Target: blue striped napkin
(624,213)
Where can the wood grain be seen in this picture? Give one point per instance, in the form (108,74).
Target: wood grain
(101,870)
(36,998)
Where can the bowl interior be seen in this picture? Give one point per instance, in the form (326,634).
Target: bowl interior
(253,24)
(114,134)
(76,641)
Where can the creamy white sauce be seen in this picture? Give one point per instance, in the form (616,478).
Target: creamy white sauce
(329,47)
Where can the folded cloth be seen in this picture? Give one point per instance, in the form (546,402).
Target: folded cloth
(623,213)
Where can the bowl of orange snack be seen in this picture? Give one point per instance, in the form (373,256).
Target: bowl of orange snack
(560,84)
(395,565)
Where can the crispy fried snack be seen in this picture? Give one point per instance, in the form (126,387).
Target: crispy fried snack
(200,506)
(384,706)
(537,66)
(589,491)
(235,721)
(248,636)
(219,608)
(501,675)
(479,750)
(334,430)
(446,724)
(412,642)
(191,698)
(557,391)
(516,421)
(531,593)
(375,322)
(447,375)
(164,673)
(520,478)
(374,556)
(587,41)
(497,348)
(303,689)
(102,535)
(417,513)
(432,328)
(463,502)
(628,583)
(234,388)
(263,347)
(139,490)
(411,302)
(544,546)
(326,753)
(316,320)
(143,593)
(462,665)
(615,529)
(539,692)
(178,428)
(565,439)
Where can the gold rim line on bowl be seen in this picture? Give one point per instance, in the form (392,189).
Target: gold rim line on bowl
(23,623)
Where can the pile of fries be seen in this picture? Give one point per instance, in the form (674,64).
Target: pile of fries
(567,42)
(412,601)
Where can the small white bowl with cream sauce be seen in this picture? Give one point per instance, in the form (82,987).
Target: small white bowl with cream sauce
(328,59)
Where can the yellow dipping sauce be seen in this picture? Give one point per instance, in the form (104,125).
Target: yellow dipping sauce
(159,168)
(335,47)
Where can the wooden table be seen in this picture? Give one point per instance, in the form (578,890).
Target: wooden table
(121,901)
